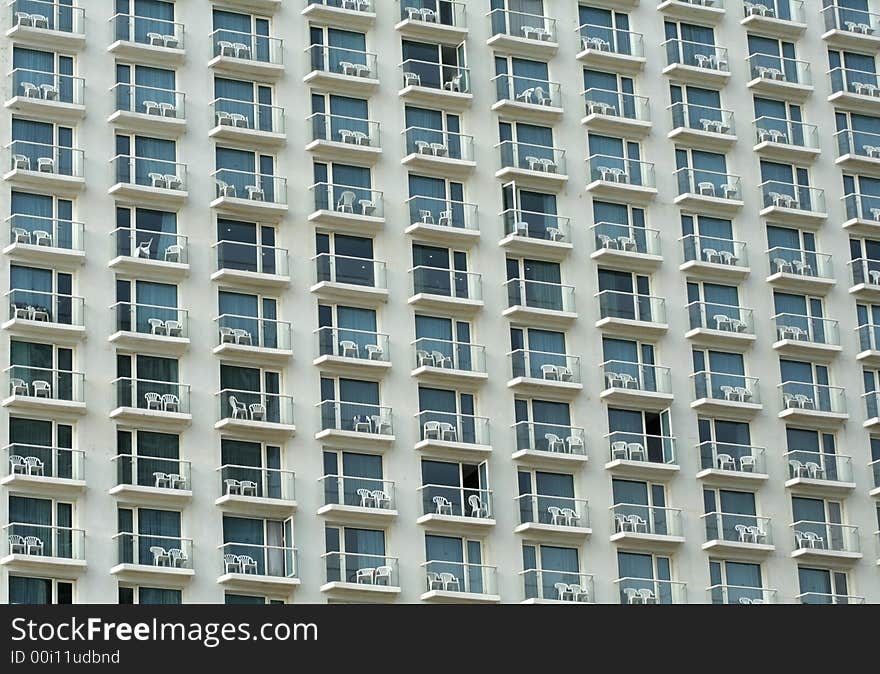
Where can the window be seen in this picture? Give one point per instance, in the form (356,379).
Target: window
(644,578)
(232,28)
(442,342)
(352,479)
(351,551)
(38,146)
(531,213)
(142,454)
(250,387)
(449,416)
(434,271)
(353,405)
(709,239)
(705,173)
(813,454)
(801,317)
(44,295)
(25,590)
(822,586)
(34,215)
(248,247)
(537,284)
(438,201)
(545,566)
(345,259)
(257,315)
(736,583)
(341,326)
(721,375)
(147,307)
(147,233)
(48,72)
(435,66)
(549,498)
(142,531)
(253,100)
(640,436)
(456,565)
(631,364)
(50,442)
(691,105)
(545,426)
(140,378)
(624,295)
(150,162)
(148,595)
(726,445)
(43,371)
(255,462)
(243,174)
(140,88)
(456,489)
(819,524)
(50,522)
(261,547)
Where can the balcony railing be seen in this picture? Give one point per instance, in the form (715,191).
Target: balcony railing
(542,436)
(448,354)
(259,187)
(859,143)
(43,540)
(152,471)
(626,238)
(788,195)
(348,199)
(522,24)
(869,337)
(740,594)
(47,86)
(256,481)
(342,61)
(612,40)
(641,447)
(150,319)
(860,82)
(865,271)
(810,329)
(862,207)
(545,365)
(438,499)
(696,54)
(650,591)
(46,159)
(261,406)
(275,561)
(139,243)
(825,536)
(779,68)
(251,257)
(617,104)
(809,396)
(44,383)
(737,528)
(562,511)
(147,394)
(358,344)
(540,295)
(41,231)
(154,101)
(58,16)
(721,317)
(531,90)
(525,156)
(786,132)
(146,172)
(807,263)
(439,143)
(558,585)
(819,466)
(874,466)
(644,519)
(459,577)
(360,569)
(34,305)
(172,552)
(367,418)
(433,75)
(441,12)
(702,118)
(247,46)
(825,598)
(247,115)
(709,184)
(636,376)
(613,169)
(446,282)
(444,426)
(631,306)
(716,250)
(438,212)
(147,30)
(358,271)
(43,461)
(355,131)
(872,404)
(533,225)
(858,21)
(731,457)
(360,492)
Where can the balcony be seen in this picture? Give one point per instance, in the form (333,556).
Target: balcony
(826,543)
(715,259)
(352,353)
(254,491)
(725,464)
(554,519)
(874,467)
(443,221)
(432,84)
(161,405)
(358,425)
(152,481)
(458,583)
(357,15)
(246,56)
(451,435)
(45,241)
(257,414)
(545,586)
(696,63)
(532,166)
(43,550)
(251,265)
(641,456)
(251,195)
(865,274)
(828,599)
(620,178)
(778,18)
(342,71)
(615,112)
(46,168)
(611,49)
(855,90)
(626,247)
(345,139)
(721,325)
(53,25)
(43,391)
(262,6)
(740,535)
(247,567)
(150,182)
(549,445)
(134,253)
(539,302)
(528,233)
(46,95)
(702,127)
(819,474)
(786,140)
(521,34)
(774,75)
(527,98)
(253,340)
(869,345)
(150,328)
(438,289)
(819,404)
(811,337)
(800,271)
(647,590)
(631,314)
(862,214)
(38,315)
(793,204)
(701,11)
(439,152)
(356,576)
(147,40)
(253,125)
(42,470)
(348,209)
(542,374)
(645,527)
(457,510)
(858,150)
(148,110)
(849,28)
(442,21)
(740,594)
(872,411)
(726,394)
(153,559)
(636,385)
(341,278)
(708,192)
(449,363)
(358,500)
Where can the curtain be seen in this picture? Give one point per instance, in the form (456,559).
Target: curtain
(158,596)
(29,590)
(347,113)
(243,461)
(24,511)
(156,452)
(240,312)
(149,297)
(156,527)
(356,325)
(243,599)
